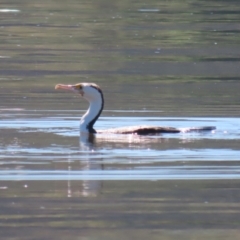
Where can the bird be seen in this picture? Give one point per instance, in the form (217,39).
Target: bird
(94,95)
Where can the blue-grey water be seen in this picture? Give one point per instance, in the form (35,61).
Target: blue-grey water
(190,155)
(167,63)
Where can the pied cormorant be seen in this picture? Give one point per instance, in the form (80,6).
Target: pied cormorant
(94,95)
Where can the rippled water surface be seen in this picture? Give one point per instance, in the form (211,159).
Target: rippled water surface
(166,63)
(29,155)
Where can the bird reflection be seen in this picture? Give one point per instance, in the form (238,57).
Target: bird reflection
(89,144)
(89,188)
(91,156)
(87,141)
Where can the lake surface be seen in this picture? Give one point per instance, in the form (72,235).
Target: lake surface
(166,63)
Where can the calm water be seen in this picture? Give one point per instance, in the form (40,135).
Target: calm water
(167,63)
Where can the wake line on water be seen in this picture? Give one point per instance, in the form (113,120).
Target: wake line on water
(222,173)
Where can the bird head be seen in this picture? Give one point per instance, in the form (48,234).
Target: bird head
(89,91)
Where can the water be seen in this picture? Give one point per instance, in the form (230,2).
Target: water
(158,63)
(167,156)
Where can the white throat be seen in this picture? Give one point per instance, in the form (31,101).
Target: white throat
(92,114)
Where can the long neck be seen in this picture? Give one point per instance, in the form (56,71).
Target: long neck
(91,116)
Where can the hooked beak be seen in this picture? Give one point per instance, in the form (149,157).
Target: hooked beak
(68,87)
